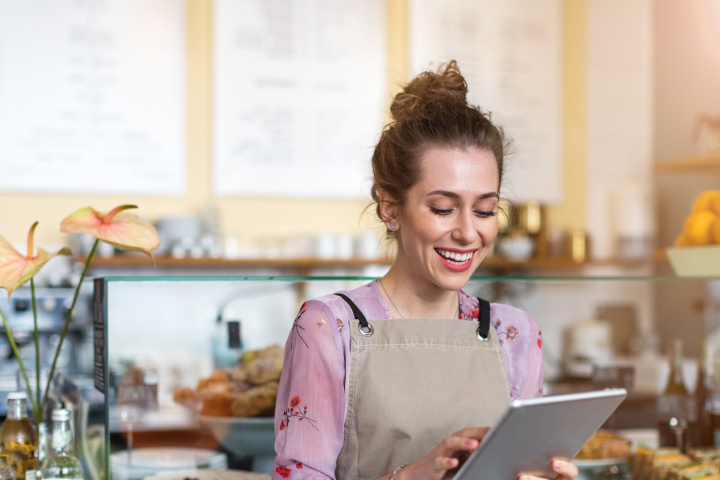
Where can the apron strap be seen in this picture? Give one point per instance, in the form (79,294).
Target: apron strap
(484,326)
(365,327)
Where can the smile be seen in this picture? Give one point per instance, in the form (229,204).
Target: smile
(455,258)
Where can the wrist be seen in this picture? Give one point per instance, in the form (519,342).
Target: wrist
(396,474)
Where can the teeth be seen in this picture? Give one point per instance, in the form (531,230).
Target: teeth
(456,257)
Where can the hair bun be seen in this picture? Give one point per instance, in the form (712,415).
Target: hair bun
(446,85)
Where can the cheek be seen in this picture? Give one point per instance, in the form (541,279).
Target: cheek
(428,228)
(489,232)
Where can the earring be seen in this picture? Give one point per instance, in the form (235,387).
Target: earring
(392,226)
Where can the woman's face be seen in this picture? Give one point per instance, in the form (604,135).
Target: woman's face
(449,221)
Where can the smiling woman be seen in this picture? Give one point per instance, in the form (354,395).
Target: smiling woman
(379,366)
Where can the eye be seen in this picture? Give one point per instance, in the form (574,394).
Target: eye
(485,214)
(441,211)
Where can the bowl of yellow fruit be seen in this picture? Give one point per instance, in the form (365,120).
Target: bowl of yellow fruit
(697,249)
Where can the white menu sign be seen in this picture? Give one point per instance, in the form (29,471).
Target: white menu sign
(510,54)
(92,96)
(299,92)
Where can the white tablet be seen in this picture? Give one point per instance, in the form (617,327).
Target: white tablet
(532,432)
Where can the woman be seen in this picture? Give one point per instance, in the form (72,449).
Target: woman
(377,379)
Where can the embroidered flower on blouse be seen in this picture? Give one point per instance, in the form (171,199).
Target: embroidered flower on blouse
(283,471)
(340,325)
(295,412)
(321,322)
(297,327)
(511,333)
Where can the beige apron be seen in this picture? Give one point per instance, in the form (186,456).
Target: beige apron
(414,382)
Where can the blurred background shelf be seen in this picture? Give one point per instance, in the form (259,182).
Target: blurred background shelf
(696,163)
(540,263)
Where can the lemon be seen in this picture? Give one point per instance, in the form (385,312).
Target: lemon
(699,227)
(715,205)
(682,241)
(715,230)
(707,201)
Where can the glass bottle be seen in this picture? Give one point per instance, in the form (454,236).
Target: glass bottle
(61,463)
(712,346)
(703,435)
(675,408)
(18,438)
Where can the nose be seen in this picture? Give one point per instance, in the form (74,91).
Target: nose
(465,230)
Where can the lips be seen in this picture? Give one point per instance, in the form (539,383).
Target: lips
(456,261)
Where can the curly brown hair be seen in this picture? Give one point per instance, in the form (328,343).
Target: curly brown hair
(431,111)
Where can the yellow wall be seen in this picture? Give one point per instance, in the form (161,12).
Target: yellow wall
(570,214)
(253,219)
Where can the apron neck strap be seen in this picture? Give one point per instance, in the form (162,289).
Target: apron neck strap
(484,327)
(356,311)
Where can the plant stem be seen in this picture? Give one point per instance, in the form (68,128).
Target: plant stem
(67,320)
(15,350)
(37,414)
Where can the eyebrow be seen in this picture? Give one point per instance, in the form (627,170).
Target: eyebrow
(446,193)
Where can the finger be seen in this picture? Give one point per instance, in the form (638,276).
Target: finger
(445,463)
(566,470)
(454,444)
(477,433)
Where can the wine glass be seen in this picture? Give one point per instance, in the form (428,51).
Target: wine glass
(678,425)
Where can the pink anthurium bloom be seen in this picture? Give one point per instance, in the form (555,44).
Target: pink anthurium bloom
(16,268)
(121,229)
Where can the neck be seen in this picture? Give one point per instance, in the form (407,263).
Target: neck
(416,300)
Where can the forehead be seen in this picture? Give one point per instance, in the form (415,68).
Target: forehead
(471,170)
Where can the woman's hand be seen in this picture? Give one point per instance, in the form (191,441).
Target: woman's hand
(565,471)
(444,457)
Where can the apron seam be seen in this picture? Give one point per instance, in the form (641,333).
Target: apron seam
(349,416)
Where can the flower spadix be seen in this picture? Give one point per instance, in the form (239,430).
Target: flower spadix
(16,268)
(117,227)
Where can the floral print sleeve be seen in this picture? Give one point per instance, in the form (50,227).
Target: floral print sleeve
(521,342)
(310,411)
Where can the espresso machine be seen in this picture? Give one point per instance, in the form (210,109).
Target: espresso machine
(76,356)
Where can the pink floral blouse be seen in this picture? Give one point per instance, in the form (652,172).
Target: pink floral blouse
(312,398)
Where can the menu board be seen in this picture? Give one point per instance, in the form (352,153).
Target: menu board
(510,54)
(299,93)
(92,96)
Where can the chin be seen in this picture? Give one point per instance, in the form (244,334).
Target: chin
(454,282)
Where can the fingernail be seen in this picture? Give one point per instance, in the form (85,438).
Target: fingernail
(556,465)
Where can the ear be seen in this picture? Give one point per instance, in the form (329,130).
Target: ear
(389,210)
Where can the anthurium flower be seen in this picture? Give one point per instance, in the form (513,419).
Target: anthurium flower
(16,268)
(119,228)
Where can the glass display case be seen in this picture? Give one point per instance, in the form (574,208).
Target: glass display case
(160,340)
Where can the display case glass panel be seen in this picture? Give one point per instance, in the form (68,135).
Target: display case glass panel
(160,340)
